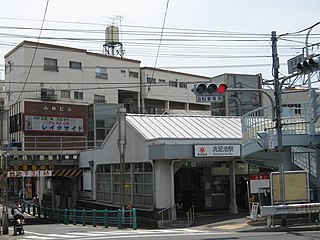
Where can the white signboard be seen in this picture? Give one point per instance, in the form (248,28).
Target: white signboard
(259,181)
(217,150)
(53,124)
(45,173)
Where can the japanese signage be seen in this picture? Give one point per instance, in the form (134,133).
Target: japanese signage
(58,108)
(45,173)
(53,124)
(209,99)
(258,182)
(217,150)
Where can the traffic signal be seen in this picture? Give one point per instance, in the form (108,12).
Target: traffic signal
(208,89)
(314,105)
(309,65)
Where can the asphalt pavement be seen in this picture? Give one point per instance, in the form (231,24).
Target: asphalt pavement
(218,221)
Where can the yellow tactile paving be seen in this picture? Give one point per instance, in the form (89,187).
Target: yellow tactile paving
(231,226)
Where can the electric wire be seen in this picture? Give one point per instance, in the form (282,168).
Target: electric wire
(170,38)
(34,53)
(158,51)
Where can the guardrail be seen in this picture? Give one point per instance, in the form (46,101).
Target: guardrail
(106,218)
(302,208)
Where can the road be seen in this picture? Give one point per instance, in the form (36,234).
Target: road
(71,232)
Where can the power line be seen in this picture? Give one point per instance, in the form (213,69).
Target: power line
(34,53)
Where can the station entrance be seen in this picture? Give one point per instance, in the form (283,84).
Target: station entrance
(206,185)
(189,188)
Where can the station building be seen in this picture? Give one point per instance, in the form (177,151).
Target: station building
(169,160)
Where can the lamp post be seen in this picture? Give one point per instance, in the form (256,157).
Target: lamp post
(311,124)
(122,142)
(5,224)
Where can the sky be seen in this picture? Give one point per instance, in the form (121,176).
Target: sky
(203,37)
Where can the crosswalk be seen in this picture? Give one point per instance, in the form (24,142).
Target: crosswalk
(115,234)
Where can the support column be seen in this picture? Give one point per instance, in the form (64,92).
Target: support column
(318,172)
(166,105)
(164,184)
(173,210)
(233,208)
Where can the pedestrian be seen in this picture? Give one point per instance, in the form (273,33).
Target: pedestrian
(35,200)
(242,191)
(17,210)
(21,194)
(17,213)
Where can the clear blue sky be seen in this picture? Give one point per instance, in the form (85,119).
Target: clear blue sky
(205,37)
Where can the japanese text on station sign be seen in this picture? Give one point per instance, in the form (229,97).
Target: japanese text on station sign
(216,150)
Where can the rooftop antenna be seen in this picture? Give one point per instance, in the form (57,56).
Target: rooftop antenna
(112,45)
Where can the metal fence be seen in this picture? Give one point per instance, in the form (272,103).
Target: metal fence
(106,218)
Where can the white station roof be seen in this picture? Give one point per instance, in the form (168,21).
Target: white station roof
(153,127)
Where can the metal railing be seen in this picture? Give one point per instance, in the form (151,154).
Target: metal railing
(190,215)
(106,218)
(167,212)
(50,143)
(256,121)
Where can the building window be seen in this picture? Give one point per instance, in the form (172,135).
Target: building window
(9,67)
(162,81)
(138,179)
(78,95)
(16,123)
(75,65)
(50,64)
(133,74)
(183,85)
(123,72)
(151,80)
(151,110)
(65,94)
(173,83)
(101,72)
(295,109)
(99,99)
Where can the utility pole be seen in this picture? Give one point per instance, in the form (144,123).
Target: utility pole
(278,110)
(122,142)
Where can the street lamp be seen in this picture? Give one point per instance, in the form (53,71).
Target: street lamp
(5,216)
(311,124)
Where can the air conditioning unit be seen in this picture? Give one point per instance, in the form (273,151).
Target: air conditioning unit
(48,94)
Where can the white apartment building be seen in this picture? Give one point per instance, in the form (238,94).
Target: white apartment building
(58,73)
(68,74)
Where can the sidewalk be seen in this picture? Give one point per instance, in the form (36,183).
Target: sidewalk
(223,221)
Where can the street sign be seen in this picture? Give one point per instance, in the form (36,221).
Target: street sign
(293,62)
(209,98)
